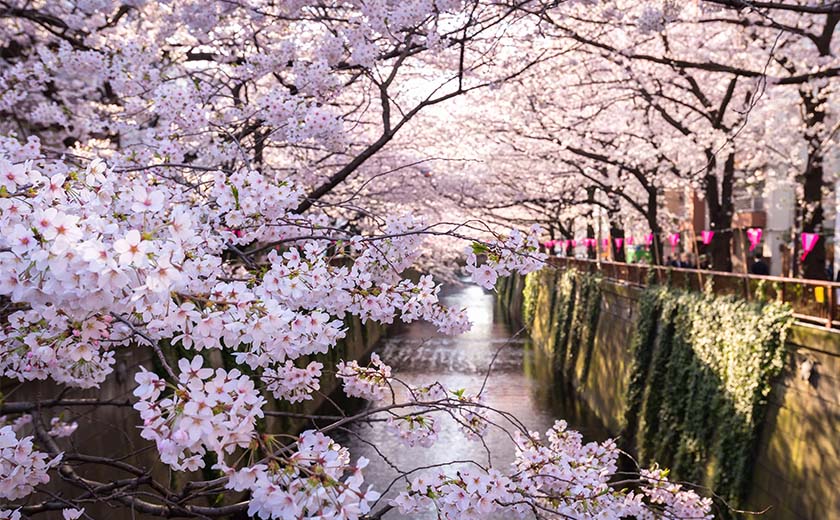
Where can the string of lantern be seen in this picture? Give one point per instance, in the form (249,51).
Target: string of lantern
(808,241)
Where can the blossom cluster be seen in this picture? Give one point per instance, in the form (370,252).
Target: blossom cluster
(370,382)
(295,487)
(471,415)
(518,252)
(22,467)
(102,260)
(291,383)
(60,428)
(415,429)
(682,502)
(208,410)
(470,494)
(563,477)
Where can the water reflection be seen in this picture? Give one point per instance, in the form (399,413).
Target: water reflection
(520,383)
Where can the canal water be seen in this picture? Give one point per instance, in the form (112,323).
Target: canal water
(520,382)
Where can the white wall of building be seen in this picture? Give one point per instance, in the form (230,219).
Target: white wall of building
(780,197)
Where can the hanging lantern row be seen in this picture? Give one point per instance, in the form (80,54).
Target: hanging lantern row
(809,241)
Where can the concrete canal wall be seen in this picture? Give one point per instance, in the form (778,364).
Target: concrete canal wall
(794,455)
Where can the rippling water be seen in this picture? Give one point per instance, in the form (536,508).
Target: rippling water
(520,382)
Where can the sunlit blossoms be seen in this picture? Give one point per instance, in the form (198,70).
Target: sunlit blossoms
(518,252)
(95,270)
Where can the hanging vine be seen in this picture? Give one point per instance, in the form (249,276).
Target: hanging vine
(529,299)
(575,301)
(563,310)
(590,321)
(701,374)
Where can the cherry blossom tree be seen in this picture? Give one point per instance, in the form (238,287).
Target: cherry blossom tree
(658,96)
(180,179)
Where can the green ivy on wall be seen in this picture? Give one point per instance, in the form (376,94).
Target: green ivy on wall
(562,316)
(590,305)
(701,374)
(529,298)
(701,368)
(575,302)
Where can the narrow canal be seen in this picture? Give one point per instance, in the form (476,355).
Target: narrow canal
(520,382)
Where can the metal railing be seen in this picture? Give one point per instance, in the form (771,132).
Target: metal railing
(812,301)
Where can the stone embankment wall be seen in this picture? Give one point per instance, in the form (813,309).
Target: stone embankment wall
(793,460)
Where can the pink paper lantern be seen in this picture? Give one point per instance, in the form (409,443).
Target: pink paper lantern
(605,242)
(618,243)
(809,241)
(573,242)
(674,239)
(649,239)
(754,236)
(629,241)
(706,237)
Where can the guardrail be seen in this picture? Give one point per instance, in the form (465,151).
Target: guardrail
(813,301)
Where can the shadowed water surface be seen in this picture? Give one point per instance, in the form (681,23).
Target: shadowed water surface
(520,383)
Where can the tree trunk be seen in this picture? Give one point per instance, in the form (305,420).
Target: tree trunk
(616,228)
(812,214)
(616,231)
(814,101)
(591,253)
(721,210)
(653,223)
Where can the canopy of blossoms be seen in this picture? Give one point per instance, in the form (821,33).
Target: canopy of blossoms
(208,183)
